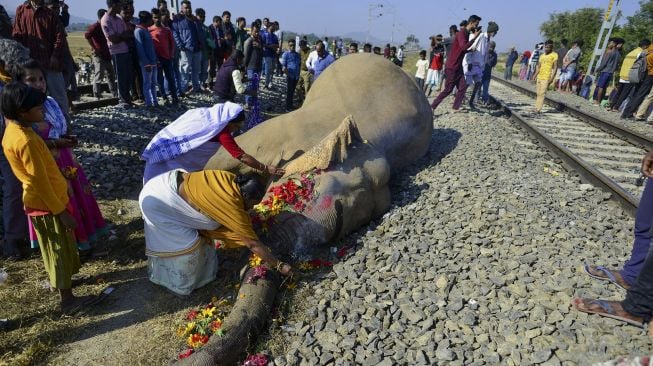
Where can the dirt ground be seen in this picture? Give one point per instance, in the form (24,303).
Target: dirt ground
(135,325)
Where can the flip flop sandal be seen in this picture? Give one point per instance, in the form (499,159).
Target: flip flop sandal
(608,311)
(608,275)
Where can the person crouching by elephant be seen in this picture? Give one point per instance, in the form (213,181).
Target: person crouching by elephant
(192,139)
(184,211)
(230,80)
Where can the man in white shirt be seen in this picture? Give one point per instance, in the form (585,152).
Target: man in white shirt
(400,55)
(319,60)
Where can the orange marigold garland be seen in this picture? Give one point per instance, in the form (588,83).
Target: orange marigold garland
(290,196)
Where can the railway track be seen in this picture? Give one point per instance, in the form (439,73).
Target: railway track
(605,154)
(88,101)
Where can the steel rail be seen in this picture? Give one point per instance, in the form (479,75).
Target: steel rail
(629,135)
(589,173)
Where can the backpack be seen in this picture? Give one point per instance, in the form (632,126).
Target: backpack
(637,72)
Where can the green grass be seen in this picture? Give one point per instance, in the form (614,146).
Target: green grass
(79,47)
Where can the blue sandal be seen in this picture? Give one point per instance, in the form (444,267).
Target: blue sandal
(609,276)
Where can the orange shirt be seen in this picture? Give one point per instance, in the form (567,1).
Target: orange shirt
(44,187)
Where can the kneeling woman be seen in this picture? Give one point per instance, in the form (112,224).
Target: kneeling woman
(192,139)
(184,211)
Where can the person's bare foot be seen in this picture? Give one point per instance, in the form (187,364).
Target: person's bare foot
(608,309)
(602,273)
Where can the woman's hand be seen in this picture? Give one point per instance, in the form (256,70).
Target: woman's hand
(647,164)
(65,142)
(285,269)
(275,171)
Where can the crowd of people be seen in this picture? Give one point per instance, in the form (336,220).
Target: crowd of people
(632,94)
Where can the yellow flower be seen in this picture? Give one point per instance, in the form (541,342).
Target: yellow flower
(255,260)
(209,312)
(291,286)
(181,332)
(189,327)
(305,266)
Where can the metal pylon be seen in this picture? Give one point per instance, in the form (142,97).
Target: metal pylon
(609,20)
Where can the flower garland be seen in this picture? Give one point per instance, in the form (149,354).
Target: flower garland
(291,196)
(258,359)
(201,324)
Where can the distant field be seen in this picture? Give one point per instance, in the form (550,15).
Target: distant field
(79,47)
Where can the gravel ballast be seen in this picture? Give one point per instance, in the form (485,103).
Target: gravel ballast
(476,263)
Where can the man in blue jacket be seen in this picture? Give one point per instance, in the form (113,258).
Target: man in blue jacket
(186,33)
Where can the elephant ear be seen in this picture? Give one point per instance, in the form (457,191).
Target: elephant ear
(332,149)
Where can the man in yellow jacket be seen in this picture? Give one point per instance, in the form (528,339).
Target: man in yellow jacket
(625,86)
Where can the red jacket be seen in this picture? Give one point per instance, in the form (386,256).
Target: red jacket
(96,37)
(164,44)
(458,49)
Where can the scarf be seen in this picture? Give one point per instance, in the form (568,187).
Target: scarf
(216,194)
(54,116)
(189,131)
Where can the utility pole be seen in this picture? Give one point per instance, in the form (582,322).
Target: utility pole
(394,21)
(174,6)
(370,9)
(609,20)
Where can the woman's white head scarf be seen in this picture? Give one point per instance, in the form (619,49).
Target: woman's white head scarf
(189,131)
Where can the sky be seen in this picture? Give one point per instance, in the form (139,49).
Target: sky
(518,20)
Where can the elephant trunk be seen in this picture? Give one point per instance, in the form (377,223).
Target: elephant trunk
(248,317)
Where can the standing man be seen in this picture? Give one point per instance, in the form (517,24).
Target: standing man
(187,39)
(510,61)
(569,65)
(270,47)
(101,57)
(208,47)
(608,65)
(290,61)
(41,31)
(545,73)
(625,84)
(279,34)
(116,32)
(319,61)
(229,32)
(147,58)
(304,83)
(643,90)
(490,63)
(475,60)
(241,34)
(453,68)
(562,52)
(400,55)
(164,46)
(253,62)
